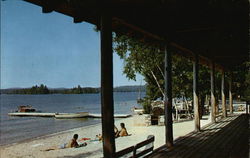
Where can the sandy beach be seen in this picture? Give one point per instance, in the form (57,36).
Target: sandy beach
(35,148)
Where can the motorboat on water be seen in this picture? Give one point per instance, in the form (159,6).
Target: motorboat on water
(26,108)
(71,115)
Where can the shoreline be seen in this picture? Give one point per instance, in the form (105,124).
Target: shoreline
(46,135)
(34,147)
(54,134)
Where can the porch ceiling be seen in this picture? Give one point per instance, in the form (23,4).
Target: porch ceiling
(216,30)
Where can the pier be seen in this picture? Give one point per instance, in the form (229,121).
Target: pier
(40,114)
(115,115)
(33,114)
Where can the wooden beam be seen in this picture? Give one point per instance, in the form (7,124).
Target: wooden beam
(213,108)
(230,93)
(138,29)
(247,107)
(47,6)
(202,60)
(196,29)
(196,93)
(223,97)
(77,20)
(168,98)
(107,101)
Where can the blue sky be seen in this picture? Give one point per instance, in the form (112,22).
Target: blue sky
(49,48)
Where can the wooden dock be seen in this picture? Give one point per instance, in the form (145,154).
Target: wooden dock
(91,115)
(33,114)
(227,138)
(40,114)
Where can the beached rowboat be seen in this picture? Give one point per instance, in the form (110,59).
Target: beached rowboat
(71,115)
(137,110)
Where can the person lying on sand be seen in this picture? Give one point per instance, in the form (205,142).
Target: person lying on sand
(71,144)
(85,139)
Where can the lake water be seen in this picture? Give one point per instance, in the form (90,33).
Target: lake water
(15,129)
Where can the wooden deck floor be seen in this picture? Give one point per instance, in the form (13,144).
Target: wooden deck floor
(229,138)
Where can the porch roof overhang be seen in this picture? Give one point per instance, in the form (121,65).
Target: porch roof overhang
(216,30)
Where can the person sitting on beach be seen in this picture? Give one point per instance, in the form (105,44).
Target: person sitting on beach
(99,136)
(123,132)
(116,131)
(71,144)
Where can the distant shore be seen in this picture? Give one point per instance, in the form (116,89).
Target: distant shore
(43,89)
(35,147)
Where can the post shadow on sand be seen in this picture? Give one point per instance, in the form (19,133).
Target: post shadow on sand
(87,154)
(229,140)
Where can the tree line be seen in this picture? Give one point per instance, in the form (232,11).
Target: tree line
(43,89)
(76,90)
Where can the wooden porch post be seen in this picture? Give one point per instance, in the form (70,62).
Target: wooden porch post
(168,98)
(107,101)
(247,107)
(213,108)
(223,97)
(196,93)
(230,93)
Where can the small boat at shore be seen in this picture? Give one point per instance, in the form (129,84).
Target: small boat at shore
(137,110)
(26,108)
(71,115)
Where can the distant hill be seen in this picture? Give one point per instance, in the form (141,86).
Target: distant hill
(8,91)
(129,88)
